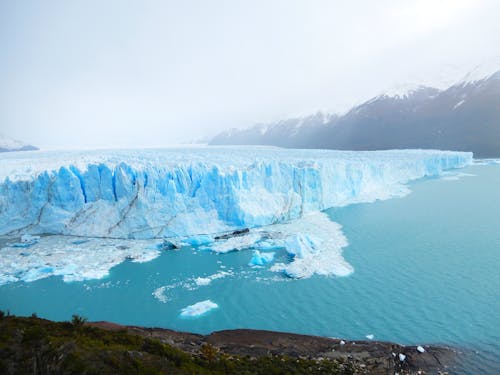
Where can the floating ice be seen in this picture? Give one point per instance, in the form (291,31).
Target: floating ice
(73,260)
(189,284)
(316,243)
(198,309)
(259,259)
(420,349)
(234,243)
(159,294)
(202,281)
(370,337)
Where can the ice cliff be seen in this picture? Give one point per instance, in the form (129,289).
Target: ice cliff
(188,192)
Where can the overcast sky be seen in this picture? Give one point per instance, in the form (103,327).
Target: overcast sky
(82,74)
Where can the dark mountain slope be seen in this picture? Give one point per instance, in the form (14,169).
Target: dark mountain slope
(464,117)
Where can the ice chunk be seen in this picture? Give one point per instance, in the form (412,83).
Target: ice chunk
(203,281)
(402,357)
(370,337)
(159,294)
(235,243)
(302,245)
(420,349)
(259,259)
(316,243)
(202,239)
(198,309)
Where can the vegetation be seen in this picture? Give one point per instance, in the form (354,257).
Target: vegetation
(37,346)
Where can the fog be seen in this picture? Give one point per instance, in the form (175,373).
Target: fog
(94,74)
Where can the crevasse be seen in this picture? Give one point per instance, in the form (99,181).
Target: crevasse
(192,191)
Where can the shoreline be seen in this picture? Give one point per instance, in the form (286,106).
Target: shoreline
(32,345)
(376,357)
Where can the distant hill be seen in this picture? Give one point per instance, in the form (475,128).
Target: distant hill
(7,144)
(464,117)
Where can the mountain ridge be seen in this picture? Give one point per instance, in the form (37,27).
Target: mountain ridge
(9,145)
(463,117)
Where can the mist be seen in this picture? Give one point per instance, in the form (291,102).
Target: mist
(92,74)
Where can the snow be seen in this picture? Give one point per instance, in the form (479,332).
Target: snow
(197,192)
(401,90)
(458,104)
(482,71)
(198,309)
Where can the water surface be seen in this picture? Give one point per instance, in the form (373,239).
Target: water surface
(426,271)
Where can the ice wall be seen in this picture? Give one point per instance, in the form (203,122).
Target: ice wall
(185,192)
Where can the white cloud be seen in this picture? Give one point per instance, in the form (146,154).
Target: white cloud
(423,17)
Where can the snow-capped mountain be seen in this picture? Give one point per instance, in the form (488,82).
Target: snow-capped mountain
(8,144)
(465,116)
(287,133)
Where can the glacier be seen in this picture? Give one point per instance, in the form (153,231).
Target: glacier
(175,193)
(189,197)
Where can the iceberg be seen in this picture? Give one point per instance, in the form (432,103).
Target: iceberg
(196,192)
(315,244)
(260,259)
(198,309)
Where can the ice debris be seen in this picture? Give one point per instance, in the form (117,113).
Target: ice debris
(260,259)
(198,309)
(315,244)
(60,256)
(203,281)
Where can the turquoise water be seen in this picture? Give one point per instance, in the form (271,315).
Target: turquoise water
(426,271)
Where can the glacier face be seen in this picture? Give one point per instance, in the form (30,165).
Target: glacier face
(185,192)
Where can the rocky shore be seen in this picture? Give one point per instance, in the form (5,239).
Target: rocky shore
(30,345)
(368,356)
